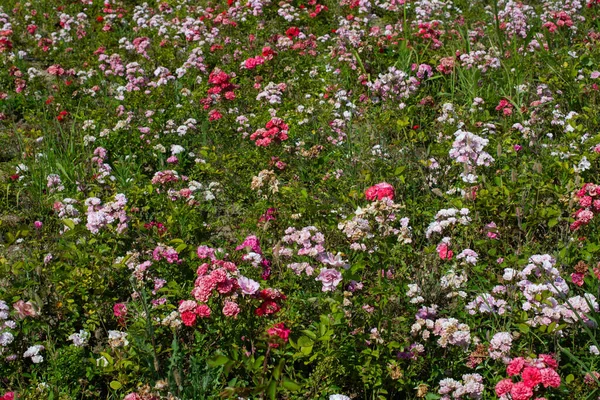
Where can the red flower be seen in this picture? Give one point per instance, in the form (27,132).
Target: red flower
(380,191)
(61,115)
(292,32)
(188,318)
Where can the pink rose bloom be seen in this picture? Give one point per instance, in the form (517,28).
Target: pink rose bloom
(187,305)
(444,252)
(585,201)
(38,224)
(577,278)
(120,310)
(380,191)
(531,376)
(549,361)
(503,387)
(550,378)
(515,366)
(25,309)
(132,396)
(8,396)
(520,391)
(330,278)
(203,311)
(231,309)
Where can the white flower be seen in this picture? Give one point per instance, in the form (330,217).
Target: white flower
(338,397)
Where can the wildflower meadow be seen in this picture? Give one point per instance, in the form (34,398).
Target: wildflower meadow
(299,199)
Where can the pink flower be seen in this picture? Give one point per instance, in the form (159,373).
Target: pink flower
(280,331)
(132,396)
(205,252)
(38,225)
(203,311)
(577,278)
(25,309)
(330,278)
(380,191)
(531,376)
(444,252)
(187,305)
(231,309)
(549,361)
(503,387)
(550,378)
(247,285)
(8,396)
(520,391)
(515,366)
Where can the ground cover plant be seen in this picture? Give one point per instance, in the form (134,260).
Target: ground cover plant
(320,199)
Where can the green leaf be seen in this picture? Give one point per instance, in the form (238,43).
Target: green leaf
(217,361)
(304,341)
(524,328)
(290,385)
(310,334)
(278,369)
(272,389)
(115,385)
(570,378)
(69,223)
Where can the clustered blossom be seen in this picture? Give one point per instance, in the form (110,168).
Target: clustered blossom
(278,334)
(6,336)
(500,345)
(452,332)
(54,184)
(471,387)
(536,375)
(255,255)
(34,352)
(221,89)
(275,131)
(588,198)
(446,218)
(80,339)
(117,339)
(272,93)
(467,149)
(545,293)
(487,303)
(100,216)
(376,219)
(394,85)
